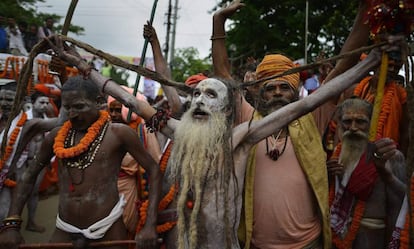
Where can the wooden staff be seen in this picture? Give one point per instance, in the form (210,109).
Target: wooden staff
(69,16)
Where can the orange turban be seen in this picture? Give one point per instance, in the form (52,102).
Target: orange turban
(43,89)
(275,64)
(193,80)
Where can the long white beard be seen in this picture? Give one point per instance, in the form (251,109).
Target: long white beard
(352,149)
(198,157)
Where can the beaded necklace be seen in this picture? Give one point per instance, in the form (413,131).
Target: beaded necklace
(82,155)
(85,159)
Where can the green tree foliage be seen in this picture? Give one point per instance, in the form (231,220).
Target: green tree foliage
(26,11)
(268,26)
(187,62)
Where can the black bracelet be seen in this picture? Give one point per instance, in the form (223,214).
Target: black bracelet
(104,84)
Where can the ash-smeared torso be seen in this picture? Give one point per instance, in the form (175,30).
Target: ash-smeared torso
(88,195)
(218,211)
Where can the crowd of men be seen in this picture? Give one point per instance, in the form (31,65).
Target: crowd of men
(18,38)
(244,166)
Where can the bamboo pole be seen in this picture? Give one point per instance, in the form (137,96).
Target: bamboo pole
(142,60)
(69,16)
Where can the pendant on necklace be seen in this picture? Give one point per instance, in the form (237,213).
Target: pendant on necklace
(274,154)
(71,187)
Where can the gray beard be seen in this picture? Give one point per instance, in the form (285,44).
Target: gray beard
(198,144)
(352,150)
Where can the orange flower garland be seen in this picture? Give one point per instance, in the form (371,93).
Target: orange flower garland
(168,198)
(84,143)
(359,209)
(161,206)
(9,147)
(346,243)
(390,90)
(405,233)
(165,156)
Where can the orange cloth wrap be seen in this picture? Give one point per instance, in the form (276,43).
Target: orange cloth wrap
(275,64)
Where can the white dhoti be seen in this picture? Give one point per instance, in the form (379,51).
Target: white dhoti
(99,228)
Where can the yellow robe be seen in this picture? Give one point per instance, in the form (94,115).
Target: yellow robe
(307,144)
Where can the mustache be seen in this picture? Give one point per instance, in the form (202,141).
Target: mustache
(277,101)
(355,135)
(198,109)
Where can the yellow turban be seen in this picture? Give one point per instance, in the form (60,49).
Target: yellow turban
(275,64)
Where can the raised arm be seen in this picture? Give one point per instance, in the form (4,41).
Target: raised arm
(221,64)
(161,66)
(357,38)
(280,118)
(33,127)
(108,86)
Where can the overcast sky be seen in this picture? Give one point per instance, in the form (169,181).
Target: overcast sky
(116,26)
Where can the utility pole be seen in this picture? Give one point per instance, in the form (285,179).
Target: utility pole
(175,17)
(306,31)
(167,39)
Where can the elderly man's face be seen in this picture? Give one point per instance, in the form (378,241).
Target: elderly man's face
(274,95)
(6,101)
(278,89)
(209,96)
(355,120)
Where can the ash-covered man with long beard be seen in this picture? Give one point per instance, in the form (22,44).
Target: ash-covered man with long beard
(367,194)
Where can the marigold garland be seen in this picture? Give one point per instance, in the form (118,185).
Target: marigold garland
(165,156)
(405,233)
(161,206)
(346,243)
(410,221)
(168,198)
(359,209)
(84,143)
(9,147)
(390,90)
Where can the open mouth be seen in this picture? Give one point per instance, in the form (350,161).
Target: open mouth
(200,114)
